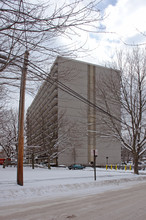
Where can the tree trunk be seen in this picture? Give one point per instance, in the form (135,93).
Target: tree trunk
(136,164)
(4,165)
(49,167)
(32,160)
(57,161)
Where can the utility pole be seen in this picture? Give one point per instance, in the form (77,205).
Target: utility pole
(21,121)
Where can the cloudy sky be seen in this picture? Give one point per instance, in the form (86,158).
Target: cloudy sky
(124,22)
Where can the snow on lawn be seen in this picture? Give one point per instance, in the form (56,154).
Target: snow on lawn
(42,183)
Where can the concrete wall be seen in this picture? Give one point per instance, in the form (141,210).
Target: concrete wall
(107,95)
(81,128)
(75,112)
(86,125)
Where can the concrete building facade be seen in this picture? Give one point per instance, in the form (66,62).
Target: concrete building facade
(68,119)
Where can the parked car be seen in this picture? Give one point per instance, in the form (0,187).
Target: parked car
(76,167)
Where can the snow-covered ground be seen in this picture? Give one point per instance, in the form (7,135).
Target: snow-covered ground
(42,183)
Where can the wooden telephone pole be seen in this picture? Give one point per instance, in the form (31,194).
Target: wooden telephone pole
(21,121)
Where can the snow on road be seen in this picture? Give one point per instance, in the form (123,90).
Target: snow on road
(121,204)
(40,183)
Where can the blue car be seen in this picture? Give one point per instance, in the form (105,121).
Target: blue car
(76,167)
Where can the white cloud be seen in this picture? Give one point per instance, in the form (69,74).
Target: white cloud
(126,19)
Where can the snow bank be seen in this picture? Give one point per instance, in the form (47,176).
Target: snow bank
(57,182)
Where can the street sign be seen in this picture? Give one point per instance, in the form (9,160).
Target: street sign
(94,152)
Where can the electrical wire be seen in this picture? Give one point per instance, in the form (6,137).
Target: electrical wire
(71,92)
(45,76)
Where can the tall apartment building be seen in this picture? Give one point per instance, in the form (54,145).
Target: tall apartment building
(64,124)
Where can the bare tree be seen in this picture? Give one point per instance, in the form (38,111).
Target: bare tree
(3,96)
(2,99)
(130,128)
(9,133)
(38,28)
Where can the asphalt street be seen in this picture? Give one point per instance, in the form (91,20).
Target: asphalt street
(122,204)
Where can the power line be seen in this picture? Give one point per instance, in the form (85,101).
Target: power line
(45,76)
(68,90)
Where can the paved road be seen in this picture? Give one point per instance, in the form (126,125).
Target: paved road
(124,204)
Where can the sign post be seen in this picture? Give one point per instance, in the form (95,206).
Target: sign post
(95,154)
